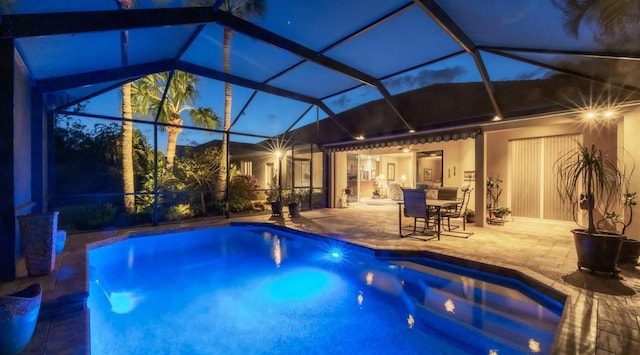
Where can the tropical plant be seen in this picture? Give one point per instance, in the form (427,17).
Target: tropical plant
(199,171)
(244,9)
(615,219)
(128,184)
(96,216)
(148,97)
(178,212)
(273,194)
(618,19)
(587,180)
(494,190)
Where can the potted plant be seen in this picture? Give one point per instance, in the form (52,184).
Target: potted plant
(630,250)
(495,212)
(38,234)
(18,317)
(294,204)
(501,211)
(469,216)
(274,196)
(589,180)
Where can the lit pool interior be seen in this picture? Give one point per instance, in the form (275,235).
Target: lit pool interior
(256,289)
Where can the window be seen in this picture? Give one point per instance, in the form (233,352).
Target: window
(246,168)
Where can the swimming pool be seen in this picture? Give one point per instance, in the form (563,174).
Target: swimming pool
(257,289)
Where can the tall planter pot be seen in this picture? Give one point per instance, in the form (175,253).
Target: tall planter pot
(276,208)
(38,234)
(597,252)
(294,209)
(18,318)
(630,251)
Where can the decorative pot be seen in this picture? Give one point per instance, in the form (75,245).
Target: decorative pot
(38,233)
(276,208)
(61,239)
(630,251)
(18,318)
(294,209)
(598,251)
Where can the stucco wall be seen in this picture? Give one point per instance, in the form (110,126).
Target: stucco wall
(22,138)
(631,144)
(602,135)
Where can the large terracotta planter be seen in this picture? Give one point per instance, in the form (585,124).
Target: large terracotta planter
(597,252)
(18,318)
(39,232)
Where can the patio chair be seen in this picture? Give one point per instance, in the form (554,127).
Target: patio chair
(458,212)
(447,193)
(415,206)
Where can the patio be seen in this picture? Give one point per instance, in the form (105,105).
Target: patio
(602,317)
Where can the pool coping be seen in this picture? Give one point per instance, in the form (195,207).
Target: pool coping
(67,308)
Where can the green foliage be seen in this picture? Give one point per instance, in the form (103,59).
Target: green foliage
(96,216)
(469,213)
(199,171)
(500,211)
(242,189)
(147,96)
(273,195)
(87,160)
(178,212)
(586,179)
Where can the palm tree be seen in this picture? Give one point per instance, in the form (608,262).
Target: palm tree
(617,20)
(243,9)
(127,124)
(147,94)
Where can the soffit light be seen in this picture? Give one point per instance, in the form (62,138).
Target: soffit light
(599,114)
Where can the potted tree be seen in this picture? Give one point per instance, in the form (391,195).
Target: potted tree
(495,212)
(294,204)
(274,196)
(589,180)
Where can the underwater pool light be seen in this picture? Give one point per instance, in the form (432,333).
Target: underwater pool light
(335,254)
(123,302)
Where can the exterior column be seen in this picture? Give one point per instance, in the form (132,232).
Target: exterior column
(7,199)
(480,183)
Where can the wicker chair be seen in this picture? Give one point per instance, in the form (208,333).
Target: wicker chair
(395,191)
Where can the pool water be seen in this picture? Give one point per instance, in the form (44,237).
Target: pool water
(253,289)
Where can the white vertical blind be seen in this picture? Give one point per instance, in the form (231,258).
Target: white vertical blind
(534,179)
(525,174)
(554,148)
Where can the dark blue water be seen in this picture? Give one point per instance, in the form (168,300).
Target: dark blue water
(253,290)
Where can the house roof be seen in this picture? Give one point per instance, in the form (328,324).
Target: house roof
(369,68)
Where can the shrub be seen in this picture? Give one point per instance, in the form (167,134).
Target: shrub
(96,216)
(178,212)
